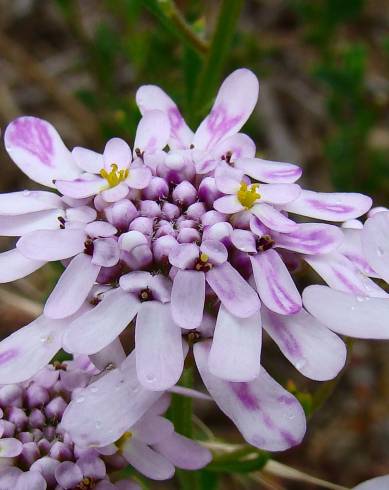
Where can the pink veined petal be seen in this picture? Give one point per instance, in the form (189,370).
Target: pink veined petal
(25,202)
(117,152)
(236,295)
(151,429)
(379,483)
(29,349)
(151,97)
(38,150)
(228,179)
(234,103)
(147,461)
(268,171)
(84,186)
(183,452)
(273,219)
(10,447)
(340,273)
(312,348)
(116,193)
(153,132)
(351,247)
(274,283)
(188,297)
(88,160)
(50,245)
(24,223)
(216,252)
(235,354)
(333,206)
(184,255)
(279,193)
(14,265)
(351,315)
(239,145)
(310,238)
(375,242)
(100,326)
(31,480)
(100,414)
(106,252)
(158,347)
(266,414)
(72,287)
(68,474)
(243,240)
(139,177)
(228,204)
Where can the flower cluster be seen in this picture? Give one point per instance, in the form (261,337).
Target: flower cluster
(194,242)
(37,452)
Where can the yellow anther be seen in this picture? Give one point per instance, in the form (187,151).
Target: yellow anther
(247,195)
(115,176)
(120,442)
(204,257)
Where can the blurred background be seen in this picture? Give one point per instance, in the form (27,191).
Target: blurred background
(324,104)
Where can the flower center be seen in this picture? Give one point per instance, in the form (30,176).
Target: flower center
(202,263)
(115,176)
(86,483)
(145,295)
(248,194)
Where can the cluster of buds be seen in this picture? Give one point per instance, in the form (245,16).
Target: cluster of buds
(195,242)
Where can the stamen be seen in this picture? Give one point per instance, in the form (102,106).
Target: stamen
(247,195)
(115,176)
(145,295)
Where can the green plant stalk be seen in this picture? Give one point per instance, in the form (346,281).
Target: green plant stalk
(219,49)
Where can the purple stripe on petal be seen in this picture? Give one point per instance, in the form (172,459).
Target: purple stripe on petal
(8,355)
(242,391)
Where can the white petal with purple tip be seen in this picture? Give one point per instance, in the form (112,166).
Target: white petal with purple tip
(153,132)
(268,171)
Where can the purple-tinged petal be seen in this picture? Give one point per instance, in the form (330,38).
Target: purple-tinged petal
(266,414)
(312,348)
(106,252)
(237,146)
(216,252)
(268,171)
(98,327)
(273,219)
(14,265)
(184,255)
(219,232)
(72,287)
(235,354)
(340,273)
(228,179)
(352,248)
(30,480)
(147,461)
(135,281)
(128,241)
(25,202)
(244,240)
(274,283)
(151,97)
(279,193)
(50,245)
(375,242)
(87,160)
(117,152)
(228,204)
(183,452)
(46,466)
(29,349)
(153,132)
(159,354)
(100,229)
(68,474)
(116,193)
(234,103)
(38,150)
(379,483)
(188,297)
(161,288)
(233,291)
(10,447)
(310,238)
(99,414)
(92,466)
(333,206)
(83,214)
(84,186)
(9,477)
(152,429)
(139,178)
(355,316)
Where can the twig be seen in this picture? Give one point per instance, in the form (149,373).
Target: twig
(32,70)
(22,304)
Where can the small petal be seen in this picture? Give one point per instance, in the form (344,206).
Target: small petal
(228,204)
(23,202)
(10,447)
(233,291)
(334,206)
(116,193)
(238,146)
(188,297)
(68,474)
(265,413)
(88,160)
(268,171)
(351,315)
(183,452)
(85,186)
(139,178)
(38,150)
(31,480)
(117,152)
(14,265)
(184,255)
(51,245)
(273,219)
(235,354)
(92,466)
(244,240)
(228,179)
(151,429)
(216,252)
(106,252)
(375,242)
(153,132)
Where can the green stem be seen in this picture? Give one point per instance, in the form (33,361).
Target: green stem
(172,19)
(219,49)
